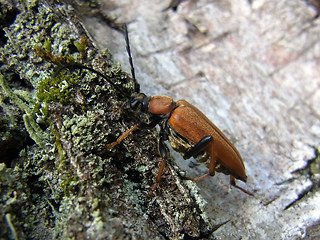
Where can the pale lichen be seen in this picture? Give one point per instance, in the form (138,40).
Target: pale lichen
(34,130)
(11,226)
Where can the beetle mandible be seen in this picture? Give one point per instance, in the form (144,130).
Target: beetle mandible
(188,131)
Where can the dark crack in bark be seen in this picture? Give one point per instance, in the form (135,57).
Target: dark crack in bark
(312,171)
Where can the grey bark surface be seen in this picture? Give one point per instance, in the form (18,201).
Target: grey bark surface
(251,66)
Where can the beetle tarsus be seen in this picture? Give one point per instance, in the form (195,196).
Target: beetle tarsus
(158,178)
(121,138)
(233,183)
(197,179)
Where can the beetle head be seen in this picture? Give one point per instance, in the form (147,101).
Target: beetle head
(150,109)
(137,101)
(137,108)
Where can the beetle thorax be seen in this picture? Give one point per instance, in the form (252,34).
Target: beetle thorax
(161,105)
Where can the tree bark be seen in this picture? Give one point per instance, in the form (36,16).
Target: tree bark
(250,66)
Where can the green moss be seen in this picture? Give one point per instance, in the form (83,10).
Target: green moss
(315,164)
(57,89)
(47,45)
(68,184)
(58,145)
(82,46)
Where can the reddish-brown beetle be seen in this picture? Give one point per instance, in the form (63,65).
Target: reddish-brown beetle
(189,132)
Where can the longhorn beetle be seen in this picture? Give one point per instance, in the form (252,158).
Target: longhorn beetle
(188,131)
(186,128)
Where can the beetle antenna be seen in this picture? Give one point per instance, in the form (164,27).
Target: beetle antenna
(80,66)
(126,35)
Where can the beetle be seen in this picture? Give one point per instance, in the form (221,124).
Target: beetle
(188,131)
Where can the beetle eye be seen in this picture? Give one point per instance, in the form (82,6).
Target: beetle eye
(140,100)
(134,103)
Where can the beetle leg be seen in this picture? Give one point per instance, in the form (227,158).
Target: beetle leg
(200,146)
(197,179)
(126,133)
(163,151)
(120,139)
(211,170)
(158,178)
(233,183)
